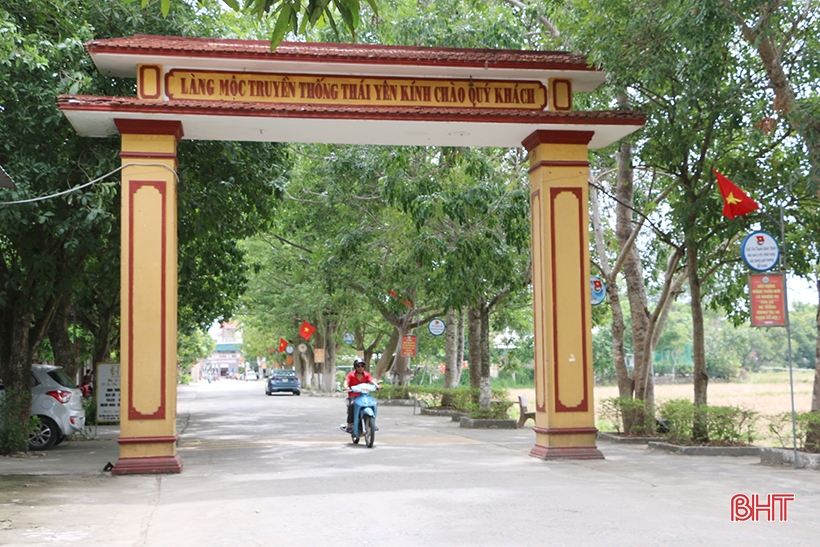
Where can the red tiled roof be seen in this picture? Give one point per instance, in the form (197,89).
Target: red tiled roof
(289,110)
(142,44)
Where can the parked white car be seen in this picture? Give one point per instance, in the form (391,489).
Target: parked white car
(58,403)
(251,375)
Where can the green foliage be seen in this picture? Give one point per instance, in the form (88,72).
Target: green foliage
(292,16)
(193,346)
(463,399)
(725,425)
(90,408)
(626,410)
(780,426)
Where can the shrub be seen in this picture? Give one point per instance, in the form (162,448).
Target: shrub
(780,425)
(90,408)
(678,415)
(724,424)
(463,399)
(731,425)
(626,410)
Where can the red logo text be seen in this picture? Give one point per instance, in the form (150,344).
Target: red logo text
(774,507)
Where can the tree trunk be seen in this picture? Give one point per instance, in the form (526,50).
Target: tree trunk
(18,373)
(485,384)
(474,346)
(701,377)
(813,432)
(329,368)
(65,354)
(452,367)
(387,357)
(635,284)
(462,314)
(625,383)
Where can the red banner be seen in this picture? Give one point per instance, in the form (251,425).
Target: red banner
(408,346)
(768,300)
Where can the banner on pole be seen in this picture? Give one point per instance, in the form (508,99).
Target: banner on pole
(768,302)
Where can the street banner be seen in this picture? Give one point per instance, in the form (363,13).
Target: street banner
(768,302)
(408,346)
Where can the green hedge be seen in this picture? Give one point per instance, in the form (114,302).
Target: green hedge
(461,398)
(780,425)
(724,424)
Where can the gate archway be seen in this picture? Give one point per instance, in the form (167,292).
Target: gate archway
(214,89)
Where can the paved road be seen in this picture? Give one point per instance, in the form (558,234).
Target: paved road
(276,470)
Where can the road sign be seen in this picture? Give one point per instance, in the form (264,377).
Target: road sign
(289,350)
(760,251)
(349,338)
(436,327)
(302,348)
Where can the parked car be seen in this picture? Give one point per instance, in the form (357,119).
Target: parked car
(251,375)
(58,403)
(283,380)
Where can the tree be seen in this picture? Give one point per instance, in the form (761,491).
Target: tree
(49,246)
(292,15)
(783,33)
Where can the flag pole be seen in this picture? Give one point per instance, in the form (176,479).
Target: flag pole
(788,330)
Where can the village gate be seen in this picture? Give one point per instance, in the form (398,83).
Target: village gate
(215,89)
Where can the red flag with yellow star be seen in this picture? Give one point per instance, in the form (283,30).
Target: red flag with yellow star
(735,201)
(307,330)
(283,345)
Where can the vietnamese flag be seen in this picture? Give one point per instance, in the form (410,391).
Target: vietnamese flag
(307,330)
(283,345)
(735,201)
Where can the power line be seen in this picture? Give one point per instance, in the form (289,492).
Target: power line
(89,183)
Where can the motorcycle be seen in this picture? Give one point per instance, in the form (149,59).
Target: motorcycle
(364,414)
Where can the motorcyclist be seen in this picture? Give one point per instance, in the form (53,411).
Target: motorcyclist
(355,377)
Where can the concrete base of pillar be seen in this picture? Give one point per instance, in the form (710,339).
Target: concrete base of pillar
(149,465)
(566,452)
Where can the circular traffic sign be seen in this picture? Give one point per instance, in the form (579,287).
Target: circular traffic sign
(436,327)
(349,338)
(302,348)
(289,350)
(760,251)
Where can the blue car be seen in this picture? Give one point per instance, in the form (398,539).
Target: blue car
(283,380)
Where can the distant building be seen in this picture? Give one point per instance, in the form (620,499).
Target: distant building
(227,357)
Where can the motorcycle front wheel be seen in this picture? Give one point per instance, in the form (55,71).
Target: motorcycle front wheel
(369,431)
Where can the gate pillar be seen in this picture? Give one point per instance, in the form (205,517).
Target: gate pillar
(565,412)
(148,277)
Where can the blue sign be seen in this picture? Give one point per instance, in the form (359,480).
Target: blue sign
(436,327)
(349,338)
(598,289)
(760,251)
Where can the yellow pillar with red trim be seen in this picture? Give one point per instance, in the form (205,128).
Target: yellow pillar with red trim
(559,196)
(148,324)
